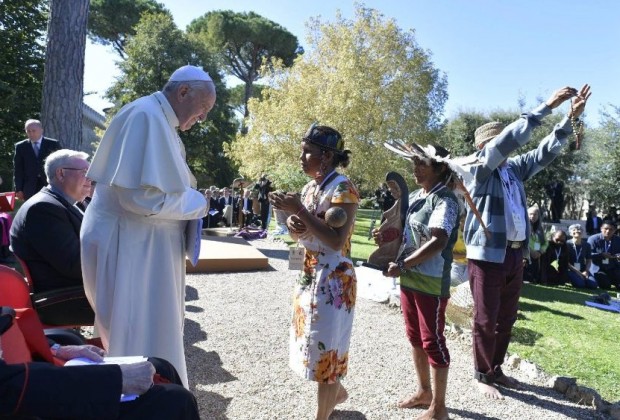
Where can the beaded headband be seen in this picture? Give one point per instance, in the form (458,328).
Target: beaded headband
(332,141)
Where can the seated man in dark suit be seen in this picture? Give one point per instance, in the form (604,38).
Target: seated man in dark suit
(605,255)
(213,212)
(44,388)
(46,235)
(245,208)
(226,206)
(28,174)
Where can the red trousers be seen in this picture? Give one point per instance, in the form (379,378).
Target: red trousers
(495,288)
(425,320)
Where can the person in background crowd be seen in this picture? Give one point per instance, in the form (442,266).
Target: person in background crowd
(579,260)
(30,154)
(225,205)
(593,222)
(537,245)
(246,208)
(213,213)
(605,253)
(264,187)
(555,260)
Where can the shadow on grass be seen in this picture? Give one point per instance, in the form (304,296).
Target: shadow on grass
(524,336)
(534,307)
(564,294)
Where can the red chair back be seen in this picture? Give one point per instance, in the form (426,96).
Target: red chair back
(33,297)
(26,339)
(26,271)
(14,290)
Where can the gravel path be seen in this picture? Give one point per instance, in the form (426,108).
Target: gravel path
(236,338)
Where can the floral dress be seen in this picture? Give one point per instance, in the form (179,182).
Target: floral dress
(324,296)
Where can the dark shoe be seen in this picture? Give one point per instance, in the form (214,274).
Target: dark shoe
(603,299)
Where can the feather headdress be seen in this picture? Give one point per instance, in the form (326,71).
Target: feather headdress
(460,168)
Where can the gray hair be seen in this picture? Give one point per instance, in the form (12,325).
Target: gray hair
(31,121)
(59,159)
(194,85)
(574,227)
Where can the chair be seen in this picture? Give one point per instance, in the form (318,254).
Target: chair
(14,290)
(66,307)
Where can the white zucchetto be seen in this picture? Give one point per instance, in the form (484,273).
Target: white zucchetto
(190,73)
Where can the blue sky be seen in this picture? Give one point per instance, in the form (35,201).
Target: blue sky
(493,52)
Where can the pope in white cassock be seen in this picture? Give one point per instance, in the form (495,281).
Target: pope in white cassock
(133,246)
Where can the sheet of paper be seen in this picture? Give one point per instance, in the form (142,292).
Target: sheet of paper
(121,360)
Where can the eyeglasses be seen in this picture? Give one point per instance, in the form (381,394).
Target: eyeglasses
(83,170)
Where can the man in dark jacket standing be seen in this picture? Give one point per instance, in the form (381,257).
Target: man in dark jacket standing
(28,174)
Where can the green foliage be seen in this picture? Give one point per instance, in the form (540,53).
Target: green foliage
(244,42)
(237,96)
(367,203)
(602,172)
(22,56)
(288,177)
(366,78)
(157,49)
(112,22)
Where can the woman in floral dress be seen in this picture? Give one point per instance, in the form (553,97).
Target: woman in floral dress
(324,297)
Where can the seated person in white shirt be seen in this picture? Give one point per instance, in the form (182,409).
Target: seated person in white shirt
(245,208)
(226,206)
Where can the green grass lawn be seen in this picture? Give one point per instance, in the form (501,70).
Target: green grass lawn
(558,332)
(555,329)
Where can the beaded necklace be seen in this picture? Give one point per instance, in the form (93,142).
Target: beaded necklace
(577,126)
(316,194)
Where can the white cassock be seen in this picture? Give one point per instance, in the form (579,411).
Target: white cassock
(132,237)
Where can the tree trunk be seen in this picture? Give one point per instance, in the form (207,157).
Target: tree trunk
(63,82)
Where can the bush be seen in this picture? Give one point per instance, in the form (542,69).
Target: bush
(367,203)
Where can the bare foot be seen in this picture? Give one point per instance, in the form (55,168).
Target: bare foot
(415,400)
(434,413)
(342,395)
(489,391)
(508,382)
